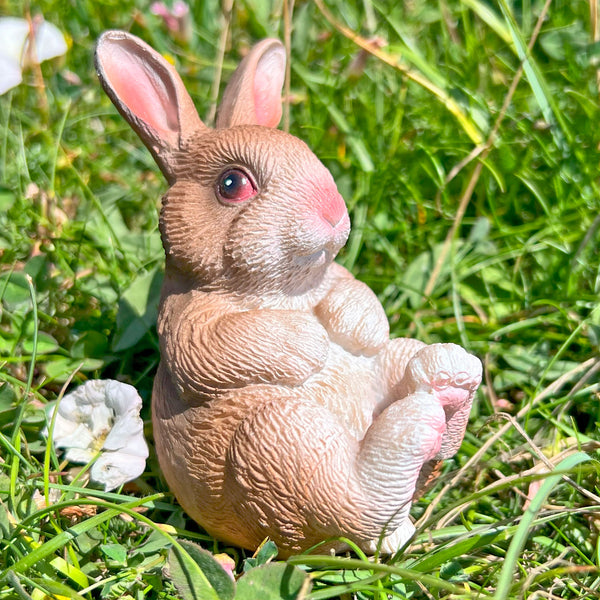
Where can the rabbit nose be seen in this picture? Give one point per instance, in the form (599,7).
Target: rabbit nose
(333,208)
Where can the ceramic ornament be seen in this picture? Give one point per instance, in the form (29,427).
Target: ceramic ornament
(281,407)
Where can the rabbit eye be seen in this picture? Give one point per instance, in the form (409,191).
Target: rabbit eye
(235,186)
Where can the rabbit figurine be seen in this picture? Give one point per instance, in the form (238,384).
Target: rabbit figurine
(281,408)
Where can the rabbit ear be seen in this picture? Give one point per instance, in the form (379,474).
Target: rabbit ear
(149,93)
(253,94)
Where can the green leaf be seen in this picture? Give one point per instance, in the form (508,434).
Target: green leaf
(197,575)
(138,310)
(56,589)
(14,290)
(267,552)
(115,552)
(61,367)
(275,581)
(91,344)
(453,571)
(45,344)
(7,403)
(7,198)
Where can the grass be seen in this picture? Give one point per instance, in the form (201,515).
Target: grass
(467,148)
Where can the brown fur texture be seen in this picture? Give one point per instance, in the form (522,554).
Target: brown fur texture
(281,408)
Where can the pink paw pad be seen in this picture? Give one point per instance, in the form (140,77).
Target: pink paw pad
(446,370)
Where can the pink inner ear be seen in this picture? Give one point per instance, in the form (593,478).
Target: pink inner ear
(268,81)
(142,91)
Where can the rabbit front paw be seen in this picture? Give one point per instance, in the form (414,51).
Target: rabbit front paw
(354,317)
(450,375)
(447,371)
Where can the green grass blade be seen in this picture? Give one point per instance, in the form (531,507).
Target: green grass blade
(506,580)
(331,562)
(537,82)
(488,16)
(469,127)
(16,435)
(60,540)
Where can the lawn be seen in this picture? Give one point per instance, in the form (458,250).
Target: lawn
(463,135)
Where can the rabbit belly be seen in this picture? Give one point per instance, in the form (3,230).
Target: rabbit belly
(350,387)
(194,443)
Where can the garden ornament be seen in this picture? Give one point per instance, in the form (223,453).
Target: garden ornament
(281,408)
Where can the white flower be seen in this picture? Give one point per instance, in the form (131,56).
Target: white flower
(16,52)
(102,416)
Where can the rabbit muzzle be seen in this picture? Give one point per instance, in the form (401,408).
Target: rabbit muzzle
(333,210)
(333,222)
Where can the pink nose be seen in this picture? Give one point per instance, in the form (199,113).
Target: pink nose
(333,208)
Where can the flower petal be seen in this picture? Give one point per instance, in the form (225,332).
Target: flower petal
(113,469)
(49,42)
(92,393)
(80,437)
(103,415)
(101,420)
(13,33)
(123,432)
(81,456)
(10,73)
(122,397)
(134,446)
(62,426)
